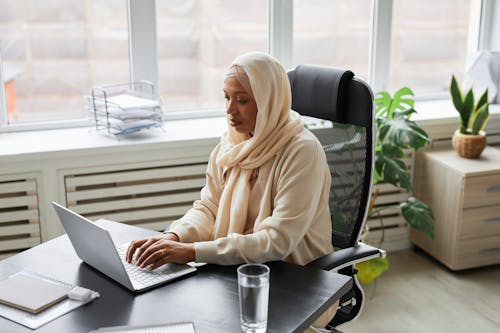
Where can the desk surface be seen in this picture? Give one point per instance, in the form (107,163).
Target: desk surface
(209,298)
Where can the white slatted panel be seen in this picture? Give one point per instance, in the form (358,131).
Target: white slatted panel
(149,197)
(395,234)
(19,216)
(393,239)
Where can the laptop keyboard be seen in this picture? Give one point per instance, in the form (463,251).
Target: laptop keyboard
(142,275)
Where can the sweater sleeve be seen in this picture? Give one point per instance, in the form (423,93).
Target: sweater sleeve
(303,183)
(197,224)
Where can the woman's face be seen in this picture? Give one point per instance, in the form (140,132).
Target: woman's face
(241,108)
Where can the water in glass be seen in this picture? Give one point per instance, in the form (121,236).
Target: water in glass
(254,296)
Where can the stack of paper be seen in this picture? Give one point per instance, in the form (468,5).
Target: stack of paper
(121,111)
(128,102)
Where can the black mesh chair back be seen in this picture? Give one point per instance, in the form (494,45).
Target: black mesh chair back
(339,110)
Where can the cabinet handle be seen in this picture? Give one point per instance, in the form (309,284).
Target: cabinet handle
(491,251)
(495,188)
(493,220)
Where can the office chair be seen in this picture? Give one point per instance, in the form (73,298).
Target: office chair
(339,111)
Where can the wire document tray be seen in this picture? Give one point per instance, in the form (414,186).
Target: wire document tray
(125,108)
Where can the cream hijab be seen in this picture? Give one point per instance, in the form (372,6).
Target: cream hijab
(276,124)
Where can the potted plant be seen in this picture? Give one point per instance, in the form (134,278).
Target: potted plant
(469,139)
(396,133)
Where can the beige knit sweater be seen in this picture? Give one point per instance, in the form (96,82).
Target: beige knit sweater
(293,223)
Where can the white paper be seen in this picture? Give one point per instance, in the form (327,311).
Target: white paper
(126,102)
(126,126)
(130,114)
(483,72)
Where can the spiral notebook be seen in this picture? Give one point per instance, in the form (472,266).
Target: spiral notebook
(31,294)
(32,299)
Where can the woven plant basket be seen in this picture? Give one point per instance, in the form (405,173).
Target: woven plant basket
(467,145)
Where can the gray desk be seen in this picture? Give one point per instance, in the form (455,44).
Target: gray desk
(209,298)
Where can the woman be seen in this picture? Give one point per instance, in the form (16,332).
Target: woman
(267,183)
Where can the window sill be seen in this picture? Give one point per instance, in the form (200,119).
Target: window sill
(440,119)
(65,142)
(434,116)
(443,109)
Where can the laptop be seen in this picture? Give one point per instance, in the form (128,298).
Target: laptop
(110,259)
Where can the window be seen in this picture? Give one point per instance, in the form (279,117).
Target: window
(340,29)
(197,40)
(55,51)
(429,44)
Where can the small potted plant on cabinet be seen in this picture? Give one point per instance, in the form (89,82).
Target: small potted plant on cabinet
(469,140)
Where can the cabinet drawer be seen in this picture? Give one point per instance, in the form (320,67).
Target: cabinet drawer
(482,191)
(477,252)
(480,222)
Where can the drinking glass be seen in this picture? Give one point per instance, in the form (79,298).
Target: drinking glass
(253,289)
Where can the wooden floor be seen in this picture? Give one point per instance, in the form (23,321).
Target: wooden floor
(417,294)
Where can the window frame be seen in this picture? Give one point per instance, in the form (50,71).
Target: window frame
(3,100)
(141,16)
(380,45)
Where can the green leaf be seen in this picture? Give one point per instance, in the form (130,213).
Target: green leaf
(467,109)
(482,101)
(479,119)
(389,150)
(391,168)
(376,177)
(371,269)
(376,173)
(462,129)
(456,94)
(401,131)
(383,128)
(401,101)
(458,102)
(385,106)
(382,103)
(418,215)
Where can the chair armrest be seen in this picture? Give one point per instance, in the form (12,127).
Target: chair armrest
(346,257)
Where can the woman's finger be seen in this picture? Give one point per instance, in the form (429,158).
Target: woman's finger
(132,247)
(153,247)
(164,259)
(144,247)
(153,257)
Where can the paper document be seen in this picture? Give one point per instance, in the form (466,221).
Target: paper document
(130,114)
(126,101)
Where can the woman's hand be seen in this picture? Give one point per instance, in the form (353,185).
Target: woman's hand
(142,244)
(159,250)
(166,251)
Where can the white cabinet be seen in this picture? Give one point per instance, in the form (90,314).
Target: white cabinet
(465,197)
